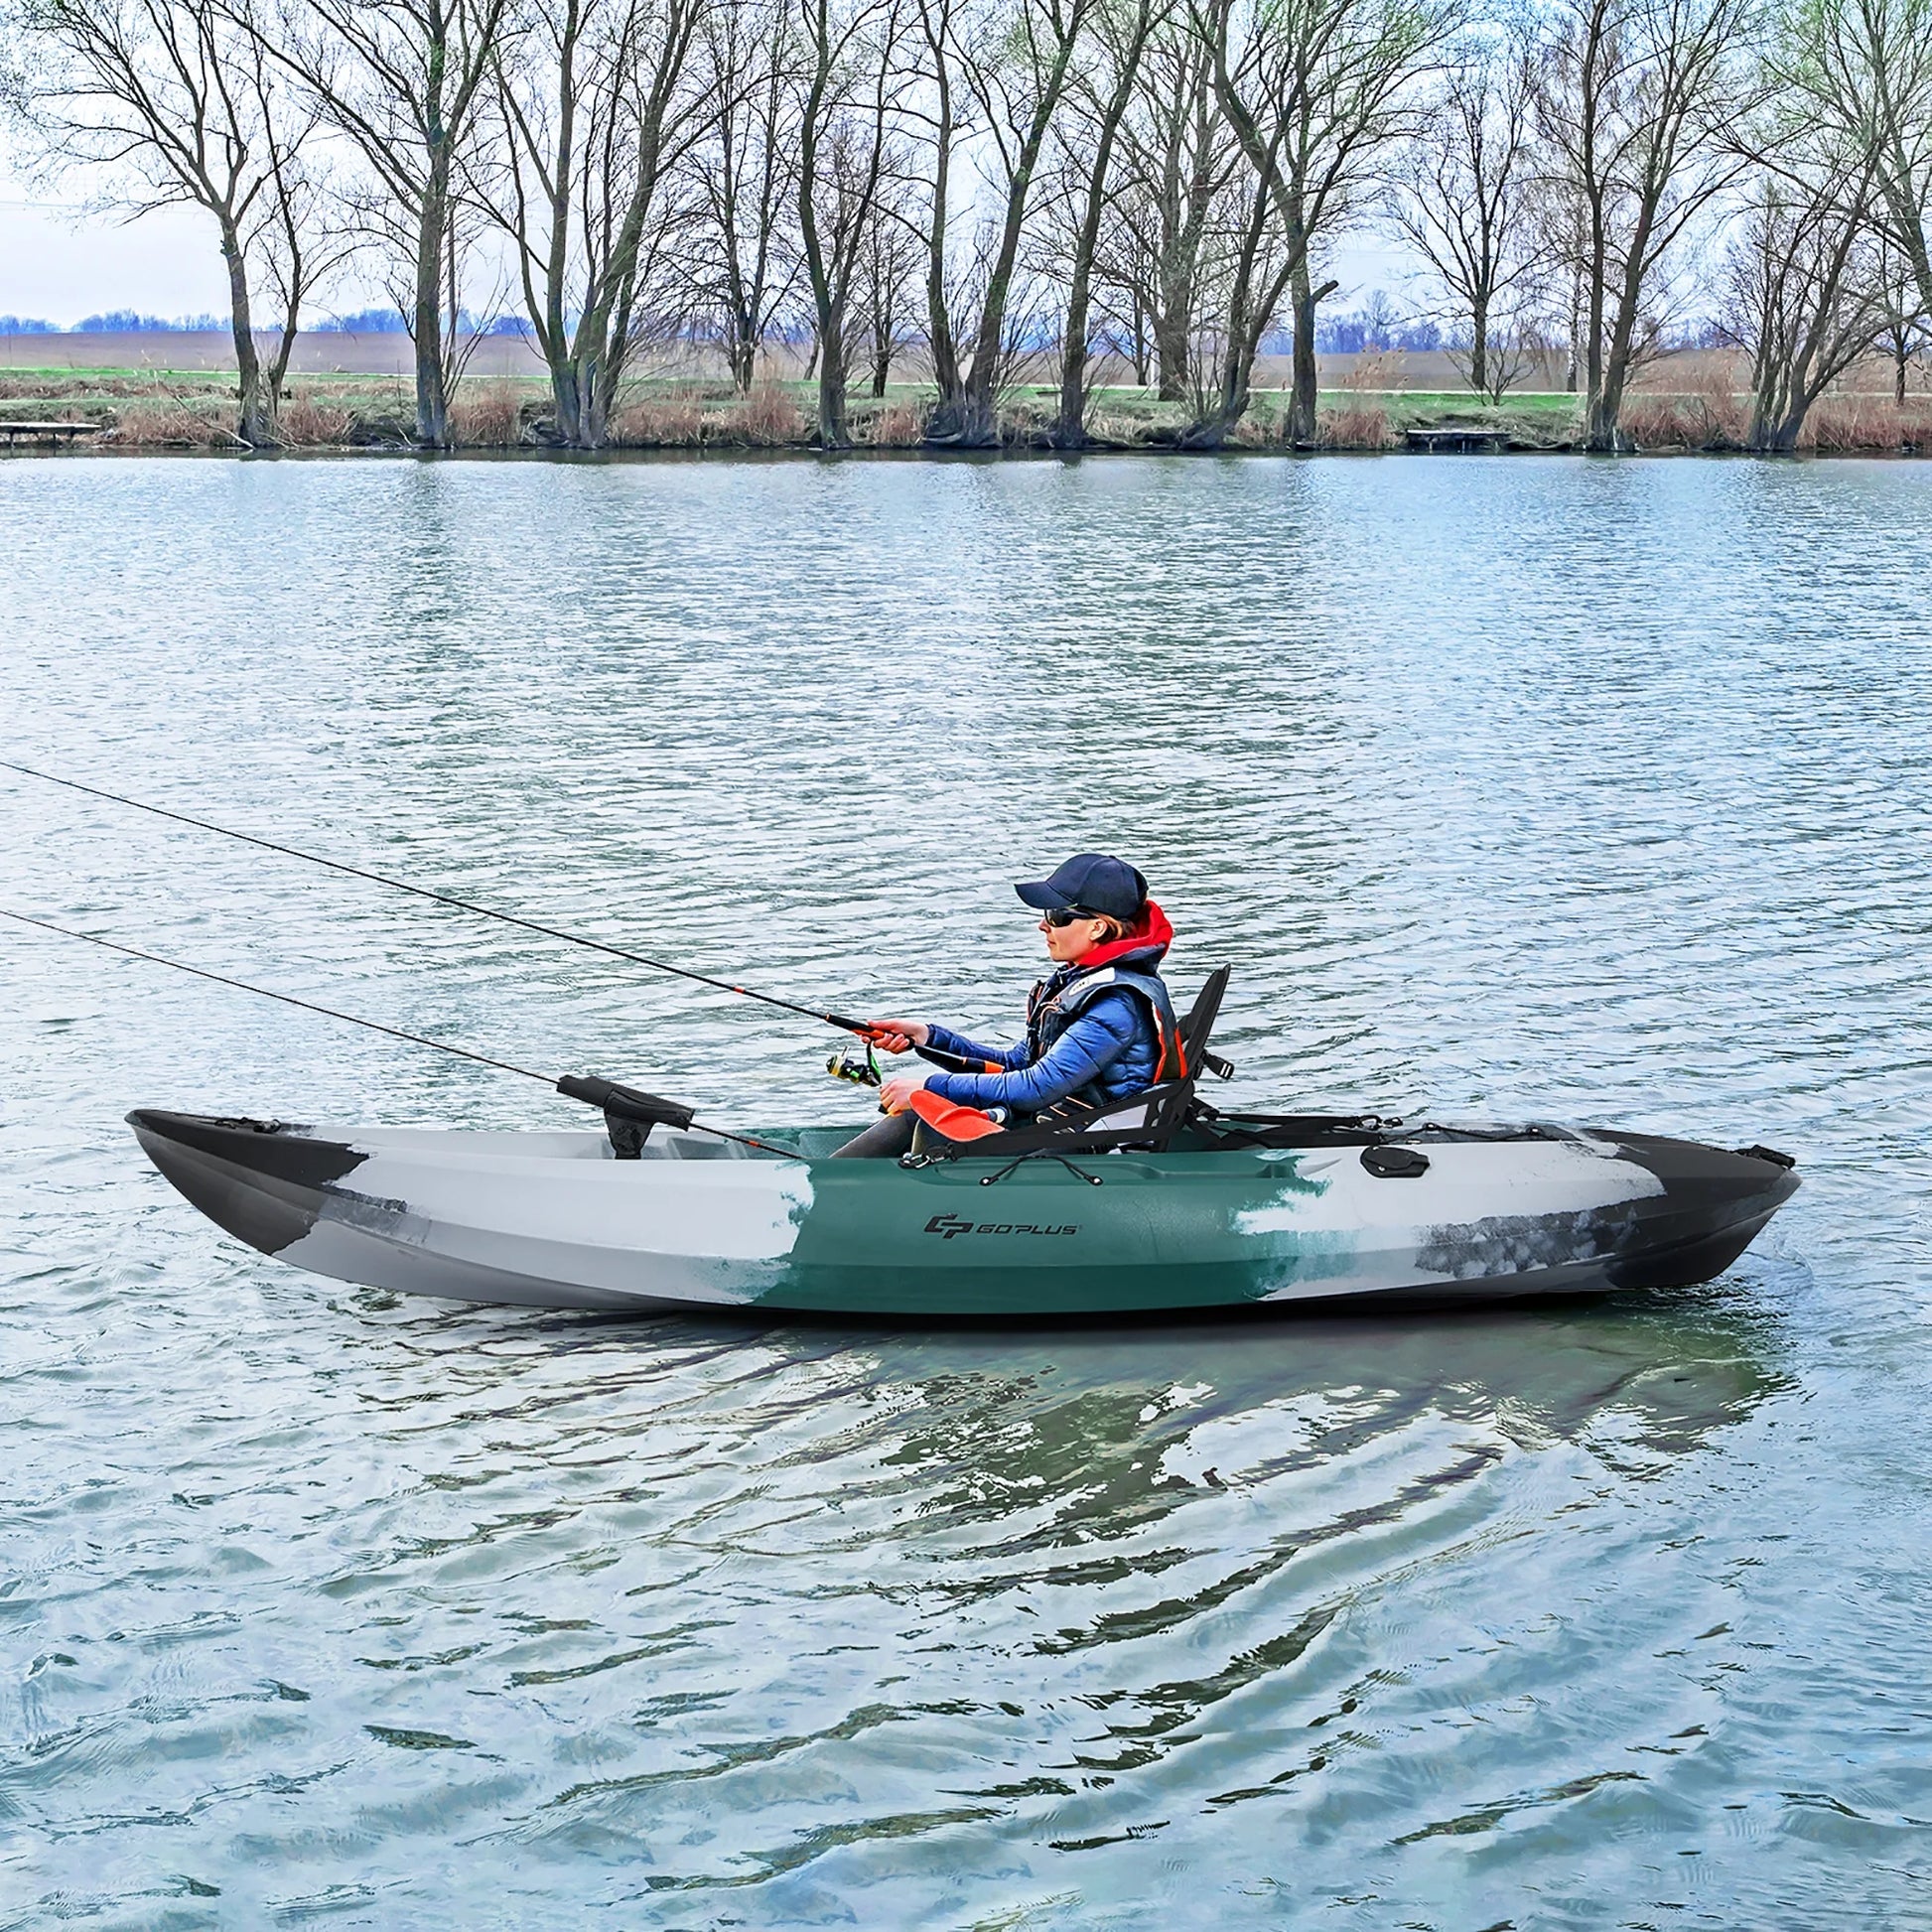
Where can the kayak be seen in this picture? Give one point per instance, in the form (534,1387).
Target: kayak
(1236,1211)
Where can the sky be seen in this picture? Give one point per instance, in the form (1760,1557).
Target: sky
(58,262)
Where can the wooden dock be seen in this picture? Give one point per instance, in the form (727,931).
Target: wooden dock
(47,432)
(1459,440)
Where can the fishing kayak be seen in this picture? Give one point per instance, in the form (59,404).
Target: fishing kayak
(1236,1211)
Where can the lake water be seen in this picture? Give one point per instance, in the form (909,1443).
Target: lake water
(1526,788)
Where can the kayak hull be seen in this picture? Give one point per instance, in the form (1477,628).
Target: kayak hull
(552,1220)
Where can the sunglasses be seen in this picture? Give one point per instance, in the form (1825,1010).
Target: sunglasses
(1067,914)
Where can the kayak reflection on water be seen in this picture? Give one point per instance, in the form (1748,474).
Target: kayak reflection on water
(1100,1028)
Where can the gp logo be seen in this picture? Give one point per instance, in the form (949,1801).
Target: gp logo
(945,1226)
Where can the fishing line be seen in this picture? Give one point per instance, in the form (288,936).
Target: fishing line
(578,1087)
(858,1026)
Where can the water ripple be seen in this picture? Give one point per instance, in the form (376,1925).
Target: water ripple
(1538,789)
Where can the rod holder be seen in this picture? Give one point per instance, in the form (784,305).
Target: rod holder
(627,1103)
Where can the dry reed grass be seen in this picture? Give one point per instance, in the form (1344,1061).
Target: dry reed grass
(1118,429)
(310,423)
(899,426)
(768,418)
(1707,413)
(1711,418)
(675,422)
(1358,426)
(1868,425)
(172,422)
(485,416)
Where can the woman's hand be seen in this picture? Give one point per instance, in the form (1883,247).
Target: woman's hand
(897,1094)
(895,1035)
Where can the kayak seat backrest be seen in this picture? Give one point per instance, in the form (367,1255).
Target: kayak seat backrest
(1199,1026)
(1162,1110)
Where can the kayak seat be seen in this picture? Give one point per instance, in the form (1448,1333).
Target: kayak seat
(1153,1115)
(1151,1118)
(1161,1111)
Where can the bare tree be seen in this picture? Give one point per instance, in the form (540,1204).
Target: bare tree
(1256,280)
(1863,68)
(1464,203)
(999,72)
(1317,91)
(179,105)
(746,168)
(1634,103)
(301,243)
(403,81)
(887,296)
(1117,46)
(1805,294)
(844,148)
(1171,214)
(1906,331)
(598,112)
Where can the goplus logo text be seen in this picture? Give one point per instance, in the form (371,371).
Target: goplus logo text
(947,1226)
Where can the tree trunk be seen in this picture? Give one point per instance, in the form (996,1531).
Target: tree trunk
(258,418)
(276,375)
(832,431)
(568,396)
(1172,355)
(594,389)
(1776,435)
(743,349)
(1603,418)
(1606,365)
(1572,365)
(1248,317)
(939,337)
(1302,405)
(432,236)
(1480,348)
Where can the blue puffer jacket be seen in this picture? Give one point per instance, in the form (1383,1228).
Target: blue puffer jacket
(1108,1051)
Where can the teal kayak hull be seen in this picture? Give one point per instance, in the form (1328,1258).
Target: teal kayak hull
(553,1220)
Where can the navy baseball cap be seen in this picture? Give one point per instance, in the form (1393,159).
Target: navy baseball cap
(1094,882)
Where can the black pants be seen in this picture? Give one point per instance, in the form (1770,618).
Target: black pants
(886,1139)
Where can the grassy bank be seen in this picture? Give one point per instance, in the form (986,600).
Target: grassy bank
(144,410)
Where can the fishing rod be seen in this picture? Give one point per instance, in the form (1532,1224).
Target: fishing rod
(865,1077)
(627,1103)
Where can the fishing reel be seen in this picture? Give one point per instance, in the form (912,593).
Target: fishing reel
(866,1072)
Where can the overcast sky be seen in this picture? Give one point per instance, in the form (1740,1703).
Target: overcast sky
(58,264)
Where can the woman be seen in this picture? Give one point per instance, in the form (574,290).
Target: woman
(1100,1029)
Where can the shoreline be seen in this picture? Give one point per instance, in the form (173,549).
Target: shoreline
(133,412)
(806,453)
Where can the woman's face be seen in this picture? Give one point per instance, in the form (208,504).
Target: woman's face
(1068,945)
